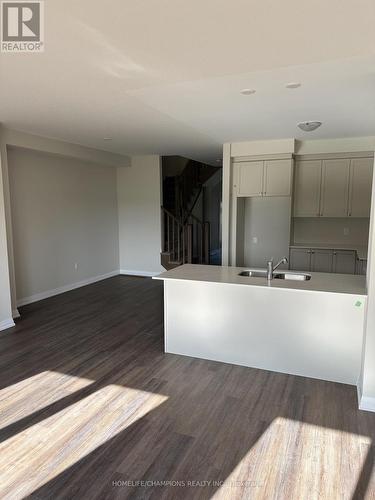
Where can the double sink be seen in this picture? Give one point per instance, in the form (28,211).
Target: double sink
(279,275)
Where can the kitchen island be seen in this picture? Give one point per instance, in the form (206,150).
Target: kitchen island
(311,328)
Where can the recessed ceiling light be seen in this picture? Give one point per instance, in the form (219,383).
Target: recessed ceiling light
(248,91)
(107,138)
(309,126)
(293,85)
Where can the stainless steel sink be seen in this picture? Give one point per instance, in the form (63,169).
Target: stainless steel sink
(292,276)
(254,274)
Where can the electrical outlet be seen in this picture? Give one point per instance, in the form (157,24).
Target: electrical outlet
(76,266)
(346,231)
(255,240)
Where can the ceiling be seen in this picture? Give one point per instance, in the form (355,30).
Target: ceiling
(164,76)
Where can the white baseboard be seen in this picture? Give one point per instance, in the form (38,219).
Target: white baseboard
(16,313)
(7,323)
(63,289)
(365,403)
(145,274)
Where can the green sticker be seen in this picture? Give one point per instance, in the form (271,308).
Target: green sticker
(358,303)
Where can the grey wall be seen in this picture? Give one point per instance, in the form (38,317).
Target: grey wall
(139,202)
(267,219)
(64,212)
(331,230)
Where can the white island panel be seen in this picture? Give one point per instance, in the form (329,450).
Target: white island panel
(308,333)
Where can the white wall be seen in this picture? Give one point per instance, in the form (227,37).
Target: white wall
(5,298)
(64,212)
(139,215)
(366,386)
(268,220)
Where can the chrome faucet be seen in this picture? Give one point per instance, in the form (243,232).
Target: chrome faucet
(271,268)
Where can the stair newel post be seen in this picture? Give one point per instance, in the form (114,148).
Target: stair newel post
(178,242)
(168,237)
(189,230)
(207,242)
(173,241)
(183,244)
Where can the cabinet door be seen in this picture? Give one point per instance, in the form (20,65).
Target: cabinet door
(277,177)
(307,188)
(344,261)
(321,260)
(300,259)
(335,188)
(360,187)
(249,178)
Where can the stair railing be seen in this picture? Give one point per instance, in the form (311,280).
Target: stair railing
(188,242)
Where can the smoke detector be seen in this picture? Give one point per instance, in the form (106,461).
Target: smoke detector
(309,126)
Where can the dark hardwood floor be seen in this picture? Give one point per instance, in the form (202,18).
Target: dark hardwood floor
(91,408)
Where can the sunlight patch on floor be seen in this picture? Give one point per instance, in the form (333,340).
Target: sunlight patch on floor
(22,399)
(43,451)
(317,448)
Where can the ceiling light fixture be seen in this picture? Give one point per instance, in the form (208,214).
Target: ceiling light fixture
(248,91)
(107,138)
(309,126)
(293,85)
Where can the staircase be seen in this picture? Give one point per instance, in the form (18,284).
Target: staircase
(184,243)
(186,238)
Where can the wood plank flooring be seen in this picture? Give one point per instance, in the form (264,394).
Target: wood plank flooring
(91,408)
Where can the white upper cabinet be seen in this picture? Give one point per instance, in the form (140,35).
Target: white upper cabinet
(263,178)
(277,178)
(360,187)
(248,178)
(307,188)
(335,188)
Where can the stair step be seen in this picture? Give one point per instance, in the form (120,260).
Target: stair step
(167,263)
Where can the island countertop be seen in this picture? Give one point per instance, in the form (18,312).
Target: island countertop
(320,282)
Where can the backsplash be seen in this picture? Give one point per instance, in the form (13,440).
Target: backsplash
(330,230)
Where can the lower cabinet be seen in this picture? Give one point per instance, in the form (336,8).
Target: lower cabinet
(323,261)
(361,267)
(300,259)
(344,262)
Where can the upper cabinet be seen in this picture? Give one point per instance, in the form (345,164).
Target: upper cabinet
(277,178)
(307,188)
(263,178)
(360,187)
(333,188)
(248,178)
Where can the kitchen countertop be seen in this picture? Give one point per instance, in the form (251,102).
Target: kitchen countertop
(361,250)
(320,282)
